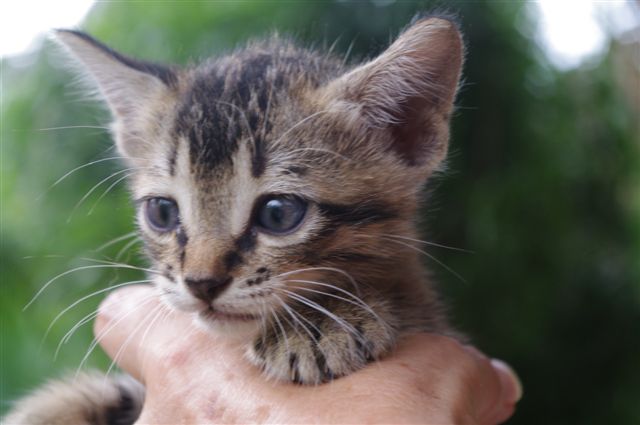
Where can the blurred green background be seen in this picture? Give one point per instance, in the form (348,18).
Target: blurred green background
(543,186)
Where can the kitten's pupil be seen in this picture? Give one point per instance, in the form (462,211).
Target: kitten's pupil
(281,214)
(162,214)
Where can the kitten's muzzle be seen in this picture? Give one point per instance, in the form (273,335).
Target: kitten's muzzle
(207,289)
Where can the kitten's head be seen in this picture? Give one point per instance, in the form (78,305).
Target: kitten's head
(265,177)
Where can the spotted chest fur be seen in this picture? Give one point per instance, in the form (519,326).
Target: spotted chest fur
(277,190)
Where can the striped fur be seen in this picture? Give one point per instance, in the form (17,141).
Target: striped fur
(357,143)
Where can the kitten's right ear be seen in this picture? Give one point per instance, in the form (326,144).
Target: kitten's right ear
(407,93)
(131,88)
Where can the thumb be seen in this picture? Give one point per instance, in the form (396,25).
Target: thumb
(510,391)
(496,390)
(125,327)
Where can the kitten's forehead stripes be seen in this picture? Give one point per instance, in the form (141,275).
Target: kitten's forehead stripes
(173,158)
(226,102)
(235,98)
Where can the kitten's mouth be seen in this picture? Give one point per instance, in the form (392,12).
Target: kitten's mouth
(212,314)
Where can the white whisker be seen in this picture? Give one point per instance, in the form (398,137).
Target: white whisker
(306,301)
(294,315)
(96,186)
(115,241)
(428,243)
(156,312)
(86,297)
(111,186)
(76,169)
(122,265)
(356,301)
(331,269)
(86,319)
(284,334)
(449,269)
(98,338)
(68,127)
(302,121)
(126,248)
(106,265)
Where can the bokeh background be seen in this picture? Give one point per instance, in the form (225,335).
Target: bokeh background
(543,187)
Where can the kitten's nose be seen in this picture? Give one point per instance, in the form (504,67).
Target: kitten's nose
(207,289)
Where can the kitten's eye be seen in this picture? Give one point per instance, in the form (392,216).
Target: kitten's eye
(281,214)
(162,214)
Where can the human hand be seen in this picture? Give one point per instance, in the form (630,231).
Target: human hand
(193,376)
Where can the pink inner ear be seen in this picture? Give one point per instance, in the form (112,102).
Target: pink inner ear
(408,91)
(414,137)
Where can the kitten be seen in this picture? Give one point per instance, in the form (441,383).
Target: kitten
(277,192)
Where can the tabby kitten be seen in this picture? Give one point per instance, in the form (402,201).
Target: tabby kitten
(277,191)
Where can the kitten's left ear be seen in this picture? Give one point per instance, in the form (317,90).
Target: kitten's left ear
(123,82)
(131,88)
(407,92)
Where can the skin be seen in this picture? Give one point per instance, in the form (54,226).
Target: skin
(193,376)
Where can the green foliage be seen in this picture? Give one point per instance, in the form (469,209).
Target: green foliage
(542,186)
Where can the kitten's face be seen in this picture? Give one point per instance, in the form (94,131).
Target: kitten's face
(271,175)
(242,207)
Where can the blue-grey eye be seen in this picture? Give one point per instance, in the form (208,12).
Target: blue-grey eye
(281,214)
(162,214)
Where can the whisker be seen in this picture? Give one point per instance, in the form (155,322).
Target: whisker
(106,265)
(65,339)
(165,313)
(67,127)
(111,186)
(293,326)
(98,338)
(284,334)
(264,309)
(156,312)
(332,269)
(126,248)
(116,240)
(449,269)
(86,297)
(37,257)
(294,315)
(306,301)
(428,243)
(123,265)
(76,169)
(302,121)
(358,301)
(96,186)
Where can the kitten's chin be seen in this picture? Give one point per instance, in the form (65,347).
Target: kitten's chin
(234,326)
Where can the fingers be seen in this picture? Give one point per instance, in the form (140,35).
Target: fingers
(481,390)
(125,318)
(511,392)
(153,344)
(495,389)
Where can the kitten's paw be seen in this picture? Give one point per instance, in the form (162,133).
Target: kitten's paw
(320,351)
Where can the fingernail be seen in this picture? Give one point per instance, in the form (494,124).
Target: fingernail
(510,381)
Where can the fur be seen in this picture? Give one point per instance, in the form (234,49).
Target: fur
(355,143)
